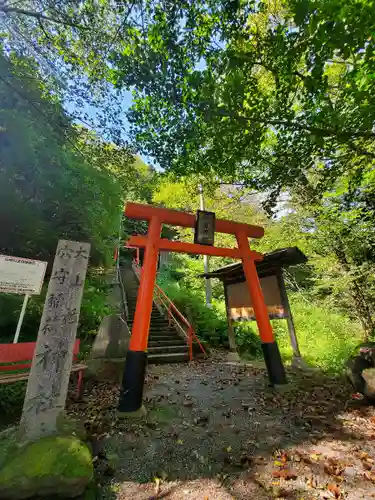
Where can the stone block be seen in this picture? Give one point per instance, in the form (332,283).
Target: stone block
(51,466)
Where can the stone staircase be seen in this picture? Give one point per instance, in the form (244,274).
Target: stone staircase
(164,343)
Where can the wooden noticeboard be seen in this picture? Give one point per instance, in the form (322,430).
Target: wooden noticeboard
(270,272)
(240,305)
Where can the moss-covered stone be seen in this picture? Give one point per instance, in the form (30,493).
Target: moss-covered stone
(59,465)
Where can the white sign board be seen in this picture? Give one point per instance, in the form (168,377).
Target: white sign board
(19,275)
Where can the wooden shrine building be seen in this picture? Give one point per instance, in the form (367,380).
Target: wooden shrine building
(270,271)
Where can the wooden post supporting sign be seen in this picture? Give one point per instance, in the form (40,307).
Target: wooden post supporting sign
(49,375)
(231,333)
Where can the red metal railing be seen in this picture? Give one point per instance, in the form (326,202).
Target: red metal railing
(174,315)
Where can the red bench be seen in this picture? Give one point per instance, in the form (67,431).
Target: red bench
(21,355)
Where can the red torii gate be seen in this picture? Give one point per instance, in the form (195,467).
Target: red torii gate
(136,359)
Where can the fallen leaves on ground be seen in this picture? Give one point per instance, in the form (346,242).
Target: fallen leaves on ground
(312,482)
(281,458)
(285,474)
(335,490)
(312,411)
(246,460)
(370,476)
(334,467)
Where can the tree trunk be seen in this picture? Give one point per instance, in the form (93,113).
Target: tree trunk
(359,298)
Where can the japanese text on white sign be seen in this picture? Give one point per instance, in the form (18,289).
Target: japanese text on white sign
(18,275)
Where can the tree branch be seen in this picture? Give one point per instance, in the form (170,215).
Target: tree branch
(323,132)
(39,16)
(44,31)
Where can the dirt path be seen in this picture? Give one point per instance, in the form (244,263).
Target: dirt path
(217,431)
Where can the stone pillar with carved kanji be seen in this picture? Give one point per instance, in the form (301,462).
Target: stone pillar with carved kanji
(49,375)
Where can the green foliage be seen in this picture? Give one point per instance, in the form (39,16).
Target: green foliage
(337,238)
(48,190)
(266,92)
(248,340)
(11,401)
(326,338)
(10,307)
(57,181)
(71,44)
(339,286)
(94,305)
(181,283)
(93,309)
(208,324)
(283,101)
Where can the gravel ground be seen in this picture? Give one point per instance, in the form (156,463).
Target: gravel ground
(217,431)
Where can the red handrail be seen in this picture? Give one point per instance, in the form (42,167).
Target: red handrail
(170,306)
